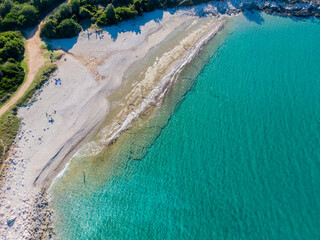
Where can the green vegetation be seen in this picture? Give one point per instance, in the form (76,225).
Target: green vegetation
(11,70)
(125,13)
(9,125)
(65,29)
(65,21)
(108,17)
(23,13)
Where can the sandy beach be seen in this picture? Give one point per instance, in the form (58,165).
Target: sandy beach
(65,113)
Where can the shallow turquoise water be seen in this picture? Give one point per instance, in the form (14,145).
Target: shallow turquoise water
(239,158)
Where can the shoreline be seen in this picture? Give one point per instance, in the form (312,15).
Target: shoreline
(285,9)
(156,95)
(77,106)
(108,135)
(95,106)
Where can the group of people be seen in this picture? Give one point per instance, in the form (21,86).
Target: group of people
(49,117)
(57,81)
(98,34)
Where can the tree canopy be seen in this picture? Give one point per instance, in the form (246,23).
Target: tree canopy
(11,72)
(11,46)
(23,13)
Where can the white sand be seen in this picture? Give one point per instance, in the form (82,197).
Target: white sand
(90,70)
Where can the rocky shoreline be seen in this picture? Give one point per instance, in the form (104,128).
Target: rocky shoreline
(42,217)
(286,9)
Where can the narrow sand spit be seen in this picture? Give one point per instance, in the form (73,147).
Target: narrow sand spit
(63,115)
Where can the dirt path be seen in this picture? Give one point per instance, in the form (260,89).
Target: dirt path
(35,60)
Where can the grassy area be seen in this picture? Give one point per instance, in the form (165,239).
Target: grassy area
(55,55)
(9,122)
(44,47)
(9,125)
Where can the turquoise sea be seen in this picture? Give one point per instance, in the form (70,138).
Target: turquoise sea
(237,157)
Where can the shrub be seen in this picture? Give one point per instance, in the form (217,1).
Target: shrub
(75,5)
(48,29)
(67,28)
(12,76)
(11,72)
(63,12)
(10,21)
(108,17)
(125,13)
(11,46)
(28,16)
(7,5)
(84,13)
(143,5)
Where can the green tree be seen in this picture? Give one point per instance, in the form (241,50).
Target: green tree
(11,72)
(28,16)
(63,12)
(7,6)
(48,29)
(75,5)
(11,46)
(143,5)
(10,21)
(108,17)
(84,13)
(12,76)
(67,28)
(36,3)
(110,13)
(125,13)
(2,10)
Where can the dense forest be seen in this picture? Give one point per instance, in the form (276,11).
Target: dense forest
(21,14)
(11,71)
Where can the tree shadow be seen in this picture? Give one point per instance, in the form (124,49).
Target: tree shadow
(253,16)
(134,25)
(29,32)
(64,44)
